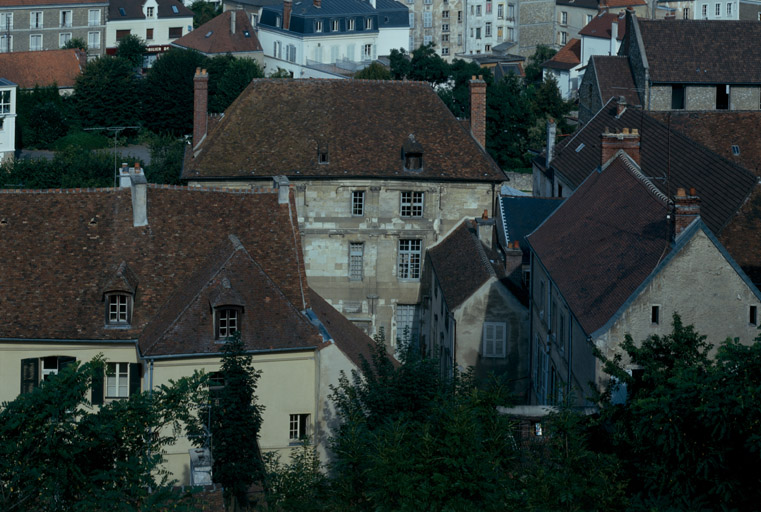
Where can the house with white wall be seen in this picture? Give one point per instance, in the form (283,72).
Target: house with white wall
(7,119)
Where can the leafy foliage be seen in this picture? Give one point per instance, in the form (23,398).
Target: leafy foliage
(375,71)
(204,11)
(228,76)
(297,485)
(76,43)
(107,93)
(42,116)
(57,453)
(167,153)
(533,69)
(132,48)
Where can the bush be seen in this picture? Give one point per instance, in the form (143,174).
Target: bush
(83,140)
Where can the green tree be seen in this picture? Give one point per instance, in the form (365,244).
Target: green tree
(228,77)
(234,425)
(57,453)
(399,63)
(299,484)
(690,428)
(107,93)
(42,116)
(509,115)
(427,66)
(457,97)
(533,69)
(375,71)
(204,11)
(167,153)
(76,43)
(132,48)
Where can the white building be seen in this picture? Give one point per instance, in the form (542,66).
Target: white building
(7,119)
(488,24)
(699,10)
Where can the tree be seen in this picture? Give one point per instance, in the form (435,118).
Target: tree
(132,48)
(167,153)
(228,77)
(58,453)
(107,93)
(76,43)
(427,66)
(42,116)
(509,115)
(204,11)
(533,70)
(234,427)
(399,63)
(457,97)
(375,71)
(690,427)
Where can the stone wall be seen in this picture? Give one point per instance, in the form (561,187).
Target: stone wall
(536,24)
(521,181)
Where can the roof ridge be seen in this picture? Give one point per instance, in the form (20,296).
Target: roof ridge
(635,171)
(481,251)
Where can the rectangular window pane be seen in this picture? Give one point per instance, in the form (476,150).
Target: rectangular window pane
(411,204)
(356,263)
(117,380)
(406,322)
(358,203)
(410,252)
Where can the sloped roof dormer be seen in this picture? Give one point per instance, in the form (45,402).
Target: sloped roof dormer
(412,154)
(123,279)
(225,295)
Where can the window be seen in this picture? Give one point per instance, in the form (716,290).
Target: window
(356,261)
(677,97)
(561,333)
(718,10)
(6,43)
(445,27)
(5,102)
(493,340)
(227,322)
(335,25)
(175,32)
(487,31)
(407,320)
(510,11)
(655,315)
(472,10)
(563,38)
(478,33)
(753,315)
(290,53)
(93,17)
(117,379)
(36,370)
(63,38)
(277,50)
(459,39)
(65,18)
(686,13)
(358,203)
(487,47)
(254,20)
(729,9)
(410,252)
(367,51)
(459,16)
(500,11)
(412,20)
(499,33)
(427,40)
(121,34)
(148,34)
(175,9)
(478,10)
(35,42)
(445,51)
(6,21)
(350,23)
(427,19)
(35,20)
(445,15)
(735,150)
(445,39)
(298,427)
(705,11)
(589,19)
(411,204)
(564,18)
(368,23)
(93,40)
(722,97)
(119,306)
(278,21)
(122,11)
(488,7)
(149,12)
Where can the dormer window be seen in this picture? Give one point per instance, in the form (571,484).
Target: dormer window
(278,21)
(412,154)
(368,23)
(119,309)
(149,12)
(335,26)
(118,294)
(349,23)
(318,26)
(227,306)
(323,157)
(228,322)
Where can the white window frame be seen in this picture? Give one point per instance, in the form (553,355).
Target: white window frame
(444,39)
(335,25)
(367,51)
(290,53)
(478,10)
(445,50)
(6,21)
(705,11)
(35,47)
(729,9)
(409,260)
(65,18)
(227,322)
(298,427)
(500,11)
(494,340)
(411,203)
(487,31)
(368,23)
(717,10)
(356,261)
(254,20)
(351,23)
(407,315)
(5,102)
(36,19)
(63,38)
(358,203)
(93,40)
(445,15)
(118,309)
(445,27)
(149,12)
(6,43)
(318,26)
(117,380)
(427,19)
(412,20)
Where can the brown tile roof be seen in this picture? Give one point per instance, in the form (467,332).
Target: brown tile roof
(600,25)
(567,57)
(719,131)
(614,78)
(604,241)
(59,249)
(277,126)
(28,69)
(742,237)
(41,3)
(701,51)
(722,185)
(461,264)
(621,3)
(214,36)
(133,10)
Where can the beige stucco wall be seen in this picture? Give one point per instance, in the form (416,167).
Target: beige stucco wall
(331,363)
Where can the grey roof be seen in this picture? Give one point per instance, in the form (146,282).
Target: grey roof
(521,215)
(6,83)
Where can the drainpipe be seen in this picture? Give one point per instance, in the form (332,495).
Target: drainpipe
(150,389)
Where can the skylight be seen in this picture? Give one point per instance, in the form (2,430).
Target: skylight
(209,33)
(174,9)
(122,12)
(581,146)
(735,149)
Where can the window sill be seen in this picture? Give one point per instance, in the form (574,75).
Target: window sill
(116,397)
(118,327)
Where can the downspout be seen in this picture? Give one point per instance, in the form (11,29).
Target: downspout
(570,355)
(454,342)
(150,388)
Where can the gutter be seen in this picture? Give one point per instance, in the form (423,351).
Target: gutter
(169,357)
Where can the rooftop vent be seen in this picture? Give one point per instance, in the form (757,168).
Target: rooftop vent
(209,33)
(122,12)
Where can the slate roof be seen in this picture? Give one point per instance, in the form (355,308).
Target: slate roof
(521,215)
(6,83)
(614,78)
(604,241)
(462,264)
(719,131)
(60,250)
(702,51)
(133,10)
(215,36)
(503,69)
(327,8)
(584,4)
(28,69)
(600,26)
(568,57)
(278,127)
(722,185)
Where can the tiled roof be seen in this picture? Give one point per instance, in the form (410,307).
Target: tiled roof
(28,69)
(60,249)
(279,126)
(742,237)
(504,69)
(133,10)
(621,3)
(327,8)
(719,131)
(614,78)
(600,26)
(461,264)
(521,215)
(567,57)
(702,51)
(671,159)
(604,241)
(41,3)
(215,36)
(584,4)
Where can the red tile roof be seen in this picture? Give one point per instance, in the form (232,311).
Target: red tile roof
(600,26)
(27,69)
(604,241)
(59,249)
(614,78)
(567,57)
(45,3)
(215,36)
(278,126)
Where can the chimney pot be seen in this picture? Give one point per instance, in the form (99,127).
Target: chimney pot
(139,187)
(485,215)
(232,22)
(628,140)
(282,184)
(686,209)
(287,13)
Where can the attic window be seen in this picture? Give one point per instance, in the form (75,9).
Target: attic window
(118,309)
(580,147)
(122,11)
(412,154)
(227,322)
(735,150)
(209,33)
(175,10)
(323,158)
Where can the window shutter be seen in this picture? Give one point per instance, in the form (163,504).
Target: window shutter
(135,372)
(97,388)
(499,340)
(30,374)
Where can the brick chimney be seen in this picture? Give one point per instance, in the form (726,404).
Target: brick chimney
(232,22)
(514,262)
(139,188)
(318,3)
(551,132)
(686,209)
(200,105)
(478,110)
(627,140)
(485,227)
(287,14)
